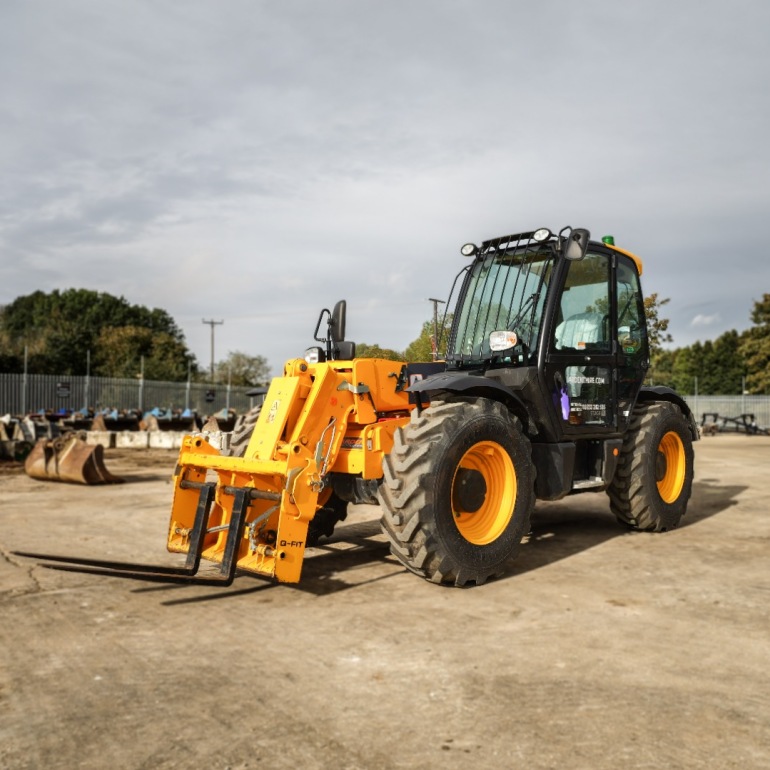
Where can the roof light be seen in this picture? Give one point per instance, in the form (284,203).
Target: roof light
(469,250)
(609,240)
(541,235)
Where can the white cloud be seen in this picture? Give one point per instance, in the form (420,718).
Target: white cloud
(706,320)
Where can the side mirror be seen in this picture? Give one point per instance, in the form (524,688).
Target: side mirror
(345,351)
(576,244)
(337,322)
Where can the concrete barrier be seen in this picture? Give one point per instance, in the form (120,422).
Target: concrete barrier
(166,439)
(153,439)
(104,438)
(132,439)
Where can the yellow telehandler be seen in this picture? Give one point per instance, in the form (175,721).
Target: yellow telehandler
(541,395)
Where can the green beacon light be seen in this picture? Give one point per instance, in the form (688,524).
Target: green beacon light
(609,240)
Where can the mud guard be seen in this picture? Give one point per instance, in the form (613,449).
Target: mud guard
(649,393)
(465,384)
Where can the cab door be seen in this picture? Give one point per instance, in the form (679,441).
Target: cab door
(633,352)
(581,358)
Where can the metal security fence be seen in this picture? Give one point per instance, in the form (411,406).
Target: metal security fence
(731,406)
(20,394)
(23,394)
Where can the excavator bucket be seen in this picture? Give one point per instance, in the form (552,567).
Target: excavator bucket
(68,458)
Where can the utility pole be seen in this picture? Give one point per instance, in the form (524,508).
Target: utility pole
(435,324)
(212,324)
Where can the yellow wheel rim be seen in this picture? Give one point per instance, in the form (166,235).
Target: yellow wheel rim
(670,467)
(491,511)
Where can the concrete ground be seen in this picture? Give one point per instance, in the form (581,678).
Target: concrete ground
(601,649)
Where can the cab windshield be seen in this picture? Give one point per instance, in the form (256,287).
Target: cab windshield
(505,290)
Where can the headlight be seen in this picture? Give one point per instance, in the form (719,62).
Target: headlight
(541,235)
(315,355)
(499,341)
(469,249)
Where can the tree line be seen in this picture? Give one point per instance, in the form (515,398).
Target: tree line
(720,367)
(79,331)
(420,349)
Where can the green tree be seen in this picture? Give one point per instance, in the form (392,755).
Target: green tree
(760,315)
(242,369)
(657,327)
(661,361)
(120,350)
(755,348)
(421,349)
(363,350)
(716,368)
(60,327)
(687,366)
(725,367)
(662,368)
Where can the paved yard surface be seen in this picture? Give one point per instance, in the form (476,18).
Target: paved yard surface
(601,649)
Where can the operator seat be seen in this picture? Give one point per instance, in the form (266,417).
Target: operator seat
(579,330)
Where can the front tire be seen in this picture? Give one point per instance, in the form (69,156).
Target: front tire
(333,510)
(653,481)
(458,491)
(244,427)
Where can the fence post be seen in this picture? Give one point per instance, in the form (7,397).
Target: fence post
(141,388)
(86,384)
(24,386)
(743,395)
(187,388)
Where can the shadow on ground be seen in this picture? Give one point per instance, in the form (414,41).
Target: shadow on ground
(575,524)
(559,530)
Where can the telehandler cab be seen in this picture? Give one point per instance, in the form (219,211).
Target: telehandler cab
(540,396)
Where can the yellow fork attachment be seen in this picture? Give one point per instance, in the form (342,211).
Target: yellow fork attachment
(252,512)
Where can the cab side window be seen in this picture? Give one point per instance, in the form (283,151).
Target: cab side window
(584,322)
(632,328)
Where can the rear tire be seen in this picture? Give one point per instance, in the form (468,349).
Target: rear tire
(458,491)
(244,427)
(653,481)
(334,509)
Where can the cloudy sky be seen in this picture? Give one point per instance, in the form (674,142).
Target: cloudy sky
(252,161)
